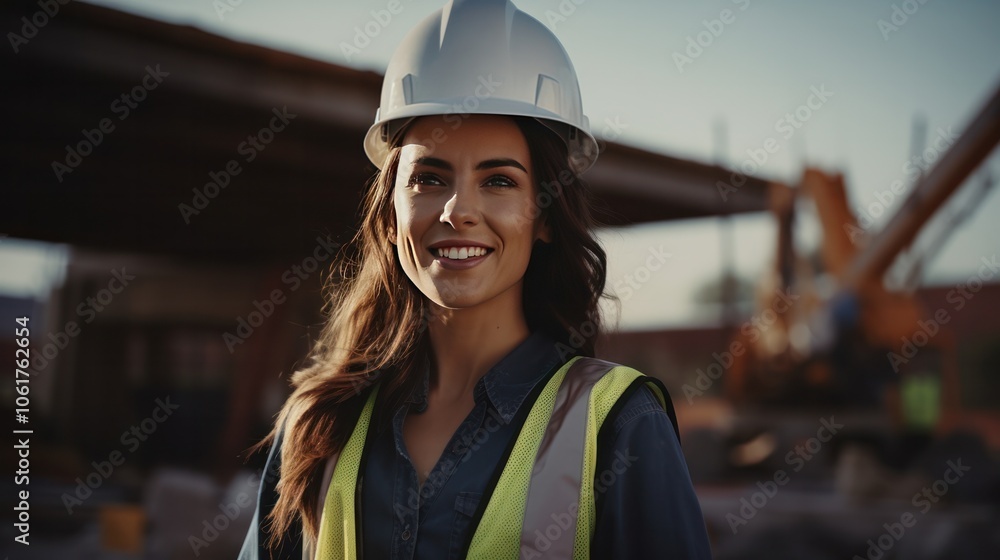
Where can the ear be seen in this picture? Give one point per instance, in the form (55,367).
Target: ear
(542,231)
(392,234)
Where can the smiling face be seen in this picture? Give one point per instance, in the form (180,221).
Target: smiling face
(466,216)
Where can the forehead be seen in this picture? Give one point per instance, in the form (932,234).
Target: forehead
(462,139)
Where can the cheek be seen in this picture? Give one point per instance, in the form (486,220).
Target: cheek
(412,225)
(521,219)
(404,215)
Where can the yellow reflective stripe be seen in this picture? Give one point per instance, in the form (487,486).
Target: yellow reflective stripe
(337,538)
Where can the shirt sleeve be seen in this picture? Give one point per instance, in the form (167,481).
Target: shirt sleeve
(645,503)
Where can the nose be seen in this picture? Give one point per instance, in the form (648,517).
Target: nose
(461,210)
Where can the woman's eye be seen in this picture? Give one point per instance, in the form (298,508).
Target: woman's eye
(424,179)
(500,181)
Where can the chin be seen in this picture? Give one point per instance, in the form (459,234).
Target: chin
(458,301)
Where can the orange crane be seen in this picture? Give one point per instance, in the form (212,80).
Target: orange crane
(831,344)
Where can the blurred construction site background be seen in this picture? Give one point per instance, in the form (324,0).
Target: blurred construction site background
(799,214)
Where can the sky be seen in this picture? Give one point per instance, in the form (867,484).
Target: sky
(879,65)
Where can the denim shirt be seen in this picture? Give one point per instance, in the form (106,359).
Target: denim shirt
(645,504)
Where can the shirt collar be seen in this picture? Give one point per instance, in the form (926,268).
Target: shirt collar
(509,381)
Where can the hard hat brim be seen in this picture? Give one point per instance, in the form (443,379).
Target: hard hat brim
(581,145)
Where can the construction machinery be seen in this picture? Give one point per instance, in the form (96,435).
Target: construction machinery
(848,340)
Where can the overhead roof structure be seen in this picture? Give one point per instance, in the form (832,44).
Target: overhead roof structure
(114,121)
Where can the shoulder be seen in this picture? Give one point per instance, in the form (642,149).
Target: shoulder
(624,396)
(639,425)
(636,401)
(639,405)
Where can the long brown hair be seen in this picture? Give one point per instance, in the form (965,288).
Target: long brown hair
(376,321)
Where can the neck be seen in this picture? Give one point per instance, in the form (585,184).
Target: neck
(466,343)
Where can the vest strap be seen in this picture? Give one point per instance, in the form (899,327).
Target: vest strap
(338,535)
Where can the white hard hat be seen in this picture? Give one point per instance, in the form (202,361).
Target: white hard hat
(482,57)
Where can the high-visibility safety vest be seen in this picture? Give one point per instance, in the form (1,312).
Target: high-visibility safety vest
(921,396)
(559,425)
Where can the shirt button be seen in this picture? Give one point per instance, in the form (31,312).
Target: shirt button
(406,535)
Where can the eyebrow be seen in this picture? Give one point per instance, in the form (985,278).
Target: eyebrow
(485,164)
(500,162)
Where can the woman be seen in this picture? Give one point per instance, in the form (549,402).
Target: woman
(450,411)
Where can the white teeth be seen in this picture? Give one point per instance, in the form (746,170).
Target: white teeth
(461,253)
